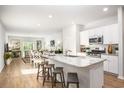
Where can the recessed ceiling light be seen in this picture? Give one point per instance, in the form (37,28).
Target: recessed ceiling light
(38,24)
(50,16)
(105,9)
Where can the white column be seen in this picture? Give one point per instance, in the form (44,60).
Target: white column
(2,42)
(121,41)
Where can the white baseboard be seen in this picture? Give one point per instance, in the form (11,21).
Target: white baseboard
(121,77)
(2,68)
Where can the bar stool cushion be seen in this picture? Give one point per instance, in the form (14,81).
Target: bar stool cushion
(58,70)
(72,78)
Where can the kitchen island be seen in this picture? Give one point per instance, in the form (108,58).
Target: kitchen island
(90,70)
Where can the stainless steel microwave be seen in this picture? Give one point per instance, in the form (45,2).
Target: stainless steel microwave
(96,40)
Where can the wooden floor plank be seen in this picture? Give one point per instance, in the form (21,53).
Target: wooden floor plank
(12,76)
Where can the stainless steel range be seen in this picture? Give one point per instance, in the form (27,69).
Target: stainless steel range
(95,53)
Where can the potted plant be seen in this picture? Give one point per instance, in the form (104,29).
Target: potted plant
(59,51)
(8,57)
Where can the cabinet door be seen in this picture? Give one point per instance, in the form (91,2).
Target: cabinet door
(107,35)
(111,34)
(98,31)
(110,64)
(91,33)
(105,62)
(115,34)
(113,64)
(84,38)
(106,65)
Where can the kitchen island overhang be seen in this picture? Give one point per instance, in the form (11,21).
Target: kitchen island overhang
(90,70)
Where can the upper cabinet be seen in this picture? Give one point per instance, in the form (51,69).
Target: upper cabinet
(84,37)
(110,34)
(96,32)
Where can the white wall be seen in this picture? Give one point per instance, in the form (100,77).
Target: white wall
(57,36)
(2,36)
(102,22)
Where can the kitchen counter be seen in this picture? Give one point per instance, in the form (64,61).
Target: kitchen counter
(110,54)
(83,61)
(90,70)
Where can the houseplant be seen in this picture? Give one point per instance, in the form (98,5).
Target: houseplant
(59,51)
(8,57)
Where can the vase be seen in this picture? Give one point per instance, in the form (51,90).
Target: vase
(110,49)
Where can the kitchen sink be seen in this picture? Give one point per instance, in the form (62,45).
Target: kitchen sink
(72,56)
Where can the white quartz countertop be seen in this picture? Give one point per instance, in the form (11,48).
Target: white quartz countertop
(83,61)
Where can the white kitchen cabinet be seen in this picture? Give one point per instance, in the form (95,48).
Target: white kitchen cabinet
(96,32)
(111,34)
(115,64)
(71,39)
(115,33)
(111,63)
(107,36)
(91,33)
(84,38)
(106,63)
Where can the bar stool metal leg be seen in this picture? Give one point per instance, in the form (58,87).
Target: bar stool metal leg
(77,85)
(72,77)
(58,71)
(44,76)
(67,85)
(63,79)
(38,71)
(48,74)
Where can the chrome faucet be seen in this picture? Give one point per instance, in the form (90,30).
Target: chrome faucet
(66,52)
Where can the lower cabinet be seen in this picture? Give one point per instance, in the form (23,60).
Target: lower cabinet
(111,63)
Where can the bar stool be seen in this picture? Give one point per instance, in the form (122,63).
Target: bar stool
(47,73)
(58,71)
(52,65)
(72,78)
(46,62)
(48,69)
(41,69)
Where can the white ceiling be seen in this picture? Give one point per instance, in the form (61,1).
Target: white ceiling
(27,17)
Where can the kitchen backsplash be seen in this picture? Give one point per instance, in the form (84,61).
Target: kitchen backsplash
(100,47)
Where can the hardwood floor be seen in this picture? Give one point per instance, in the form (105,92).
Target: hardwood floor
(21,75)
(111,81)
